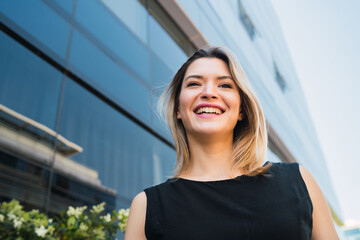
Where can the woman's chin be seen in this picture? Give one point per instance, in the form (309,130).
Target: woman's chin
(211,132)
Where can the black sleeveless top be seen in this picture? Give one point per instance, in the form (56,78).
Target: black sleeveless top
(275,206)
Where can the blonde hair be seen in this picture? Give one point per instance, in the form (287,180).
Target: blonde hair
(250,134)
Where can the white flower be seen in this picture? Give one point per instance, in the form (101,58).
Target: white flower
(41,232)
(107,217)
(83,227)
(50,220)
(75,211)
(99,208)
(18,223)
(2,217)
(123,213)
(127,211)
(122,226)
(70,211)
(11,216)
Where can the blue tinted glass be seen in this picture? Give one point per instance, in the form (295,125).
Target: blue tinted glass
(209,30)
(163,161)
(22,180)
(108,75)
(160,126)
(38,20)
(106,27)
(28,85)
(164,46)
(161,75)
(120,151)
(68,190)
(202,14)
(132,14)
(67,5)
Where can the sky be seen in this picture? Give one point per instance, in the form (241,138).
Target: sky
(323,37)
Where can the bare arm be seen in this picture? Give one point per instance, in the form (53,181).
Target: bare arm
(323,226)
(135,228)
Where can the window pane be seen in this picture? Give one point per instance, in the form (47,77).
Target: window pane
(67,5)
(107,29)
(121,152)
(43,27)
(69,191)
(105,74)
(28,85)
(161,75)
(29,94)
(132,14)
(23,181)
(172,55)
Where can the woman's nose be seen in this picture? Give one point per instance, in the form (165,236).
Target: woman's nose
(210,91)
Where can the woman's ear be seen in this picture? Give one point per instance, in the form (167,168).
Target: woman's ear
(241,115)
(178,116)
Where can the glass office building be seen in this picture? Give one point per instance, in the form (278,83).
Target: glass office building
(79,80)
(352,233)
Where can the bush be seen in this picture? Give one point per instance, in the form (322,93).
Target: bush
(75,223)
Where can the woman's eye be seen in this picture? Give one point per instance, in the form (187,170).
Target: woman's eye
(193,84)
(226,85)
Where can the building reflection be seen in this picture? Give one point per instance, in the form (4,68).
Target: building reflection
(28,151)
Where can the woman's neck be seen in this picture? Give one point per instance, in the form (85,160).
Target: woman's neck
(210,158)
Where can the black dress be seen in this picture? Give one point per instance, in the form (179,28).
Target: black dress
(276,206)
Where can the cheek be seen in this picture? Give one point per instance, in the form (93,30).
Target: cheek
(233,100)
(184,102)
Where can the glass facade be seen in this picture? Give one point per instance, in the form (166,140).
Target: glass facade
(28,85)
(78,84)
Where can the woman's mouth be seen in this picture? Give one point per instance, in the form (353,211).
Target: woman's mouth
(208,110)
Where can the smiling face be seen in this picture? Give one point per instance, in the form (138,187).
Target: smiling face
(209,101)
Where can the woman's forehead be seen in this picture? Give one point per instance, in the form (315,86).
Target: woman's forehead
(208,66)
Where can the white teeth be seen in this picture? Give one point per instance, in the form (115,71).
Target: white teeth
(208,110)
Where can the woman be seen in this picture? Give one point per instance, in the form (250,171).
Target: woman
(220,188)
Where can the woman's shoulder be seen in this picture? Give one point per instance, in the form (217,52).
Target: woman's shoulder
(138,204)
(288,173)
(141,199)
(136,221)
(153,191)
(283,167)
(159,185)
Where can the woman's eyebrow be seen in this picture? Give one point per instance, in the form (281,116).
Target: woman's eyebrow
(194,76)
(224,77)
(201,77)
